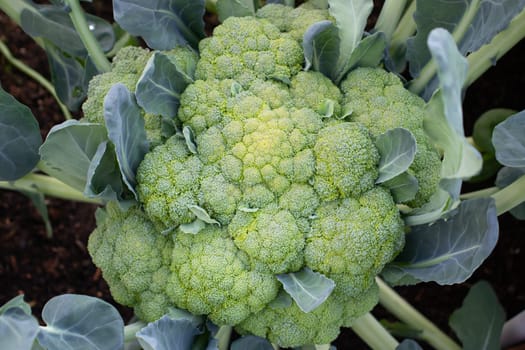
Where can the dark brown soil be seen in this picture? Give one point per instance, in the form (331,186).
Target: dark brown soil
(41,268)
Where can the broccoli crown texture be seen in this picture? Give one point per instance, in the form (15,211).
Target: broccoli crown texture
(283,179)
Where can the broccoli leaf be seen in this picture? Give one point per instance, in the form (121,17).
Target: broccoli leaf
(54,24)
(18,329)
(509,142)
(39,201)
(164,24)
(67,152)
(309,289)
(449,251)
(160,86)
(103,177)
(505,177)
(397,148)
(202,214)
(19,138)
(403,187)
(350,20)
(444,120)
(408,344)
(321,47)
(479,321)
(189,137)
(235,8)
(369,52)
(251,342)
(17,302)
(79,321)
(125,127)
(168,334)
(478,21)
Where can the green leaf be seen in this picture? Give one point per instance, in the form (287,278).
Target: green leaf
(168,334)
(103,176)
(444,120)
(509,141)
(449,251)
(369,52)
(251,342)
(18,329)
(403,187)
(484,19)
(54,24)
(321,47)
(19,138)
(193,227)
(505,177)
(16,302)
(81,322)
(409,344)
(189,137)
(484,127)
(160,86)
(68,77)
(67,152)
(202,214)
(164,24)
(125,127)
(235,8)
(479,321)
(397,148)
(309,289)
(283,300)
(350,20)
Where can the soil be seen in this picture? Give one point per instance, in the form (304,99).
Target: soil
(40,268)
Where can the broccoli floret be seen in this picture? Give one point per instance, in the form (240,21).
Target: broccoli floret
(378,100)
(134,258)
(245,49)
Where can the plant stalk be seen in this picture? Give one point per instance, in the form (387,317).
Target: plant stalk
(486,192)
(223,337)
(47,185)
(406,26)
(389,17)
(373,333)
(33,74)
(510,196)
(131,329)
(405,312)
(90,42)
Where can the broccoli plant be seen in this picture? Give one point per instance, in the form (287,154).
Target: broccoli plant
(276,177)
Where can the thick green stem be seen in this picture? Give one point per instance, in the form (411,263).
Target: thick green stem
(391,12)
(486,192)
(510,196)
(405,312)
(131,329)
(223,337)
(21,66)
(480,61)
(373,333)
(90,42)
(406,27)
(47,185)
(13,8)
(466,21)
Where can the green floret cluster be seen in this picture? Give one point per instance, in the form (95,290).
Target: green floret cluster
(283,179)
(126,68)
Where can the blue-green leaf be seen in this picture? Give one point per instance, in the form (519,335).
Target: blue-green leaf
(125,127)
(479,321)
(444,120)
(350,19)
(81,322)
(67,75)
(160,86)
(189,137)
(168,334)
(321,47)
(103,176)
(369,52)
(402,187)
(17,302)
(449,251)
(509,141)
(235,8)
(309,289)
(193,227)
(54,24)
(251,342)
(164,24)
(19,138)
(484,19)
(18,329)
(202,214)
(505,177)
(68,150)
(397,148)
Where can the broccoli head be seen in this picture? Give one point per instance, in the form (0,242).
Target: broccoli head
(278,177)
